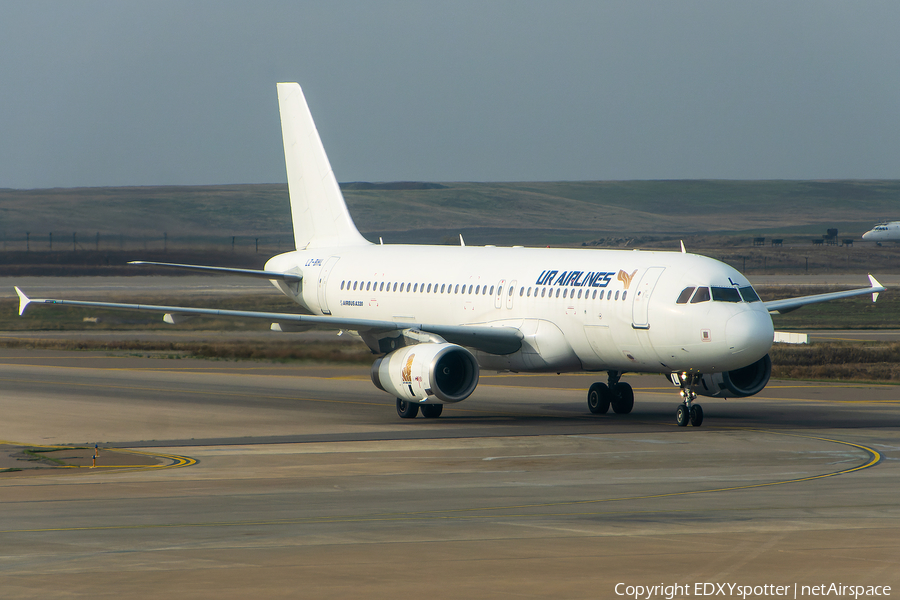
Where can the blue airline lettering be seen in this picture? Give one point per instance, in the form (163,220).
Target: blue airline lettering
(575,278)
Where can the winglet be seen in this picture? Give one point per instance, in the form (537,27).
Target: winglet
(23,301)
(683,251)
(875,284)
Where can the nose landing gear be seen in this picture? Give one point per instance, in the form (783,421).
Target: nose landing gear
(688,411)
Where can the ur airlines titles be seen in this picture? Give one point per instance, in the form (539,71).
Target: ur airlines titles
(597,310)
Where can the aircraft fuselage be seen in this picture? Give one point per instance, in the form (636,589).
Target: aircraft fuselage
(589,310)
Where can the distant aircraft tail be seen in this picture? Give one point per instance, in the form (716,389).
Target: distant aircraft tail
(318,209)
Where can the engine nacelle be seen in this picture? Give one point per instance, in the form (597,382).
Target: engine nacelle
(738,383)
(427,372)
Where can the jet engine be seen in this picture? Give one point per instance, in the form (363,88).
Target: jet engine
(738,383)
(433,372)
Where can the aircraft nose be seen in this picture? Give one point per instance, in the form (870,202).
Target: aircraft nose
(750,332)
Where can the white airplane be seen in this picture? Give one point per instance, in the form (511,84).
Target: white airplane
(438,314)
(884,232)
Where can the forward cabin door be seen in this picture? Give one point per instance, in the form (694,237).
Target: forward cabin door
(641,297)
(323,280)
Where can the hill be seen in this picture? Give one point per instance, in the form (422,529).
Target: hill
(529,213)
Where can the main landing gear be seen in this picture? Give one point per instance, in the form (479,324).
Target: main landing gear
(687,410)
(409,410)
(618,395)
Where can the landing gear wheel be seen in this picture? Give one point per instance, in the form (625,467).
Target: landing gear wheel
(407,410)
(599,398)
(623,398)
(432,411)
(696,415)
(682,415)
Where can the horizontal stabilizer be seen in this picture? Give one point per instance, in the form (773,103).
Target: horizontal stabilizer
(289,277)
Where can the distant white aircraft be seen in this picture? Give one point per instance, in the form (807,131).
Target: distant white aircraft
(884,232)
(435,315)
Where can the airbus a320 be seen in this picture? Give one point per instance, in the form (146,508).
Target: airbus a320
(437,315)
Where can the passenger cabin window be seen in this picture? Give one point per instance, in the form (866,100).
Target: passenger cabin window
(701,295)
(723,294)
(685,295)
(749,294)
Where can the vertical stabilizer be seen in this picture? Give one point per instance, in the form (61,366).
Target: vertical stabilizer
(318,209)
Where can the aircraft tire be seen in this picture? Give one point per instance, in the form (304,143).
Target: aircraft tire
(599,397)
(623,398)
(696,415)
(432,411)
(406,409)
(681,415)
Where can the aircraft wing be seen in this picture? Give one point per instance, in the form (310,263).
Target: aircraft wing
(780,307)
(288,277)
(494,340)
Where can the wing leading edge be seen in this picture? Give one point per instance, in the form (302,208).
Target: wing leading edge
(493,340)
(780,307)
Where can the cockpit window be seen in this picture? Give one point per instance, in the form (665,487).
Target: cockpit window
(701,295)
(749,294)
(685,295)
(725,294)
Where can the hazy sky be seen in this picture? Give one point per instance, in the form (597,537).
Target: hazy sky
(156,92)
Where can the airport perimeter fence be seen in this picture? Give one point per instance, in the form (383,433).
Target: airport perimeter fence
(57,241)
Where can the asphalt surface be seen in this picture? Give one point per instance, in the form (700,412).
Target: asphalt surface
(270,480)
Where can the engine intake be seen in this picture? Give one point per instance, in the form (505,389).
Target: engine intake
(738,383)
(442,372)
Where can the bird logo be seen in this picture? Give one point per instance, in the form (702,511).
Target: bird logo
(625,278)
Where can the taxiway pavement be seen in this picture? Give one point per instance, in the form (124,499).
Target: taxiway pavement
(307,485)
